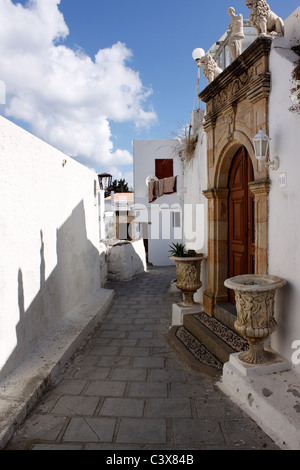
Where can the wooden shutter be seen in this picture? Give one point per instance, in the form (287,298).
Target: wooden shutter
(163,168)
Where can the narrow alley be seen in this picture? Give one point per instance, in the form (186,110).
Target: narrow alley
(126,389)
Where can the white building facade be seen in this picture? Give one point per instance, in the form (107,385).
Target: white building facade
(284,197)
(158,219)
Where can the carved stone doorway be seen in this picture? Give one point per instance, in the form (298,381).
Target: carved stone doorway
(237,106)
(241,222)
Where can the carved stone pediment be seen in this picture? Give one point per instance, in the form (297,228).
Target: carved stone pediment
(247,77)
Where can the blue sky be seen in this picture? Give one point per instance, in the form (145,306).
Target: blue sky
(141,86)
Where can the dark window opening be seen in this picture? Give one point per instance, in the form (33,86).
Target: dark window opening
(164,168)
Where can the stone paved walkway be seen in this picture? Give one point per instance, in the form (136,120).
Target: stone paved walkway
(127,390)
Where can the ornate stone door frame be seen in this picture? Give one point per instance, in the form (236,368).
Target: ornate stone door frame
(217,224)
(236,106)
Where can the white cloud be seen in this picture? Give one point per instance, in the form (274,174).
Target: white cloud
(67,97)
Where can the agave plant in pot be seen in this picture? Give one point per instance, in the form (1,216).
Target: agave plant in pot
(188,270)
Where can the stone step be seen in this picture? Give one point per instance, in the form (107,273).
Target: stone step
(192,352)
(226,313)
(217,337)
(207,336)
(205,343)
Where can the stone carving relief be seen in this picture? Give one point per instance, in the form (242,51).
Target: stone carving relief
(189,275)
(236,30)
(188,270)
(234,87)
(255,313)
(230,121)
(211,70)
(262,18)
(255,300)
(255,322)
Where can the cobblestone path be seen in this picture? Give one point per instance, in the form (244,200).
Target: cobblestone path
(125,389)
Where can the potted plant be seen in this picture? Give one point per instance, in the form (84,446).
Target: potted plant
(188,270)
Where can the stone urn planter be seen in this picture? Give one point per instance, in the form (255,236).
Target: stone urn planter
(255,298)
(188,271)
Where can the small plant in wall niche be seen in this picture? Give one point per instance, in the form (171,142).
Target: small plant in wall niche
(295,90)
(186,144)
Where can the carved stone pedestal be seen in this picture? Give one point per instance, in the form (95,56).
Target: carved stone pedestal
(188,270)
(255,297)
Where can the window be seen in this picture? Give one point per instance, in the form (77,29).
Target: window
(163,168)
(176,219)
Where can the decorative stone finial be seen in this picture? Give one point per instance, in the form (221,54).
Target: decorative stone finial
(263,19)
(236,30)
(211,70)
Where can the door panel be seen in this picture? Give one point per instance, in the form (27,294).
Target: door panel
(241,242)
(238,261)
(237,209)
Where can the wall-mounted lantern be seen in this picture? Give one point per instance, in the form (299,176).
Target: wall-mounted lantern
(261,147)
(105,181)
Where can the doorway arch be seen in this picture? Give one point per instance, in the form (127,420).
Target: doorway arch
(218,223)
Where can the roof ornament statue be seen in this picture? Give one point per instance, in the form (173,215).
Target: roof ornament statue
(236,31)
(210,69)
(266,22)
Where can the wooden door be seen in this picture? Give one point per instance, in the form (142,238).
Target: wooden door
(241,244)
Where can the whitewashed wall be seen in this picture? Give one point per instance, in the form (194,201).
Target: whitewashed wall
(125,259)
(49,240)
(145,152)
(284,208)
(195,204)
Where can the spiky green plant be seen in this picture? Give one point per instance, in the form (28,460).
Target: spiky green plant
(177,249)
